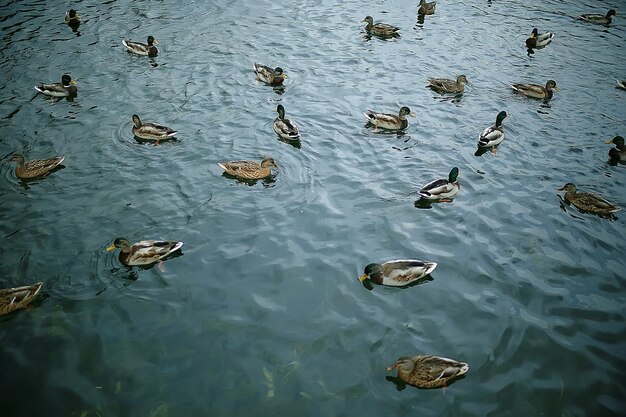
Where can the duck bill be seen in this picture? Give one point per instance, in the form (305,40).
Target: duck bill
(110,248)
(609,142)
(561,189)
(412,114)
(390,368)
(285,75)
(363,277)
(73,82)
(155,42)
(557,88)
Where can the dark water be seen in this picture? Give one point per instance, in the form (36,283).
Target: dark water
(263,314)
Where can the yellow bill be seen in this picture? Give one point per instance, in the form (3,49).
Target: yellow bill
(363,277)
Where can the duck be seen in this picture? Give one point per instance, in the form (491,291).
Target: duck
(285,128)
(493,135)
(12,299)
(397,272)
(269,76)
(442,189)
(444,85)
(621,84)
(72,17)
(144,252)
(35,168)
(380,29)
(618,153)
(598,18)
(538,40)
(151,131)
(587,202)
(535,90)
(390,121)
(426,8)
(427,371)
(141,48)
(249,170)
(66,88)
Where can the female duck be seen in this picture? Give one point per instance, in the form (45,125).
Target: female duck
(269,76)
(390,121)
(145,252)
(443,85)
(249,170)
(397,273)
(442,189)
(426,8)
(618,153)
(151,131)
(379,29)
(535,90)
(621,84)
(425,371)
(35,168)
(493,135)
(66,88)
(539,40)
(141,48)
(12,299)
(285,128)
(588,202)
(598,18)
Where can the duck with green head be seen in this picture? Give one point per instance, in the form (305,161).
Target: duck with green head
(443,189)
(284,127)
(539,40)
(493,135)
(66,88)
(268,75)
(390,121)
(618,153)
(597,18)
(587,202)
(144,49)
(144,252)
(397,272)
(427,371)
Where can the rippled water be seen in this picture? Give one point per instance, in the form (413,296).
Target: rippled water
(263,314)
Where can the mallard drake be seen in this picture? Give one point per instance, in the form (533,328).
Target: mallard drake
(535,90)
(142,48)
(12,299)
(587,202)
(397,272)
(621,84)
(539,40)
(442,189)
(151,131)
(249,170)
(285,128)
(379,29)
(390,121)
(426,371)
(35,168)
(618,153)
(598,18)
(66,88)
(493,135)
(444,85)
(145,252)
(72,17)
(426,8)
(269,76)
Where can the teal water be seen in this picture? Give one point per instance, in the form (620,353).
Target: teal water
(263,313)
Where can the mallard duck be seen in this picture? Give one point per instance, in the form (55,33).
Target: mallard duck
(426,371)
(535,90)
(66,88)
(618,153)
(397,272)
(587,202)
(493,135)
(144,252)
(151,131)
(598,18)
(390,121)
(269,76)
(621,84)
(249,170)
(285,128)
(12,299)
(442,189)
(538,40)
(35,168)
(444,85)
(379,29)
(142,48)
(426,8)
(72,17)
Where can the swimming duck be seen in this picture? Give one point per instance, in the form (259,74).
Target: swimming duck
(535,90)
(390,121)
(426,8)
(144,252)
(35,168)
(72,17)
(151,131)
(442,189)
(249,170)
(269,76)
(621,84)
(618,153)
(443,85)
(538,40)
(142,48)
(285,128)
(587,202)
(426,371)
(379,29)
(598,18)
(12,299)
(397,272)
(493,135)
(66,88)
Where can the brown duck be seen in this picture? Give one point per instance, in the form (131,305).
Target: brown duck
(35,168)
(426,371)
(12,299)
(249,170)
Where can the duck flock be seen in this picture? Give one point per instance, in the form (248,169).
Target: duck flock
(422,371)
